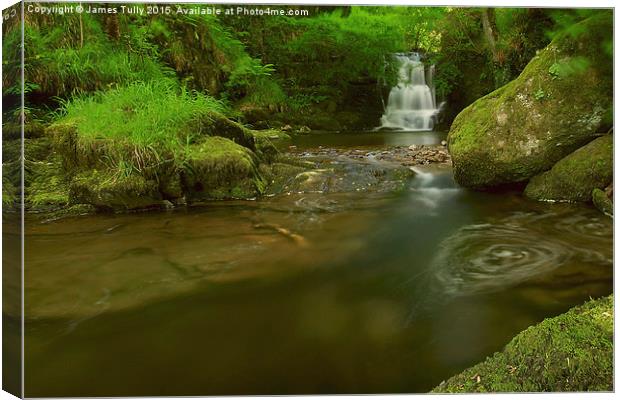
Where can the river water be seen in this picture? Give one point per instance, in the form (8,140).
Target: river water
(368,289)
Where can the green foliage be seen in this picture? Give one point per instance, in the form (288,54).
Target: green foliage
(265,92)
(459,31)
(518,34)
(208,55)
(275,62)
(316,58)
(302,102)
(554,70)
(149,114)
(335,50)
(60,62)
(565,21)
(539,94)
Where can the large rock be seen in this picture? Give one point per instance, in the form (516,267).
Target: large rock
(575,176)
(218,168)
(573,352)
(106,191)
(555,106)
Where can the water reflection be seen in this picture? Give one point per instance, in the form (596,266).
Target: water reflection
(487,257)
(363,140)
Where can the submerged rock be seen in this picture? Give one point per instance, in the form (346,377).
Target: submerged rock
(557,104)
(575,176)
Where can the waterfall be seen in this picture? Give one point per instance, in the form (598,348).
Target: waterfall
(411,104)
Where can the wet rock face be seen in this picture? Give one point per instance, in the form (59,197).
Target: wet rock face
(574,177)
(550,110)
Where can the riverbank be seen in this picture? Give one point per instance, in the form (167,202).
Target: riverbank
(572,352)
(70,174)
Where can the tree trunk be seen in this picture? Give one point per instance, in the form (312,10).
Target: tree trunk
(112,27)
(488,19)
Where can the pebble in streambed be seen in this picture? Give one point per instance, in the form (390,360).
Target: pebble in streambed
(361,170)
(404,155)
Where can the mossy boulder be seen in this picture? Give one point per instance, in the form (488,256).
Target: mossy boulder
(571,352)
(557,104)
(575,176)
(214,158)
(602,202)
(215,124)
(219,168)
(109,191)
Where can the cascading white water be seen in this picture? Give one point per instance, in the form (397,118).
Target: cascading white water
(411,104)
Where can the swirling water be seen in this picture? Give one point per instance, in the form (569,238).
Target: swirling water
(350,291)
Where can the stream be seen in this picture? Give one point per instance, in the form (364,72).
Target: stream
(362,282)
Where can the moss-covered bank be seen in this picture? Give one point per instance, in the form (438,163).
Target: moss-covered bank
(139,147)
(570,352)
(557,104)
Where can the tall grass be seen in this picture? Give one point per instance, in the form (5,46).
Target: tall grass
(69,54)
(266,92)
(144,113)
(95,66)
(147,128)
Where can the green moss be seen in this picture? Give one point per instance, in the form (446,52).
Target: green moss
(575,176)
(271,134)
(219,168)
(509,136)
(14,131)
(11,150)
(46,185)
(104,190)
(570,352)
(155,142)
(170,186)
(281,174)
(602,202)
(215,124)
